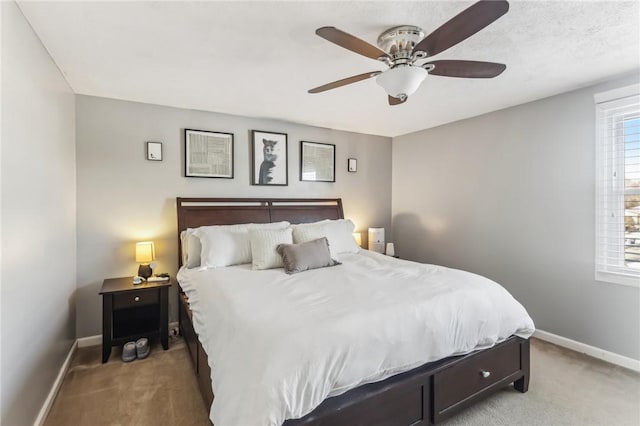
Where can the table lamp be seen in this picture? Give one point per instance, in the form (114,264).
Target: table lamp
(376,240)
(145,254)
(358,237)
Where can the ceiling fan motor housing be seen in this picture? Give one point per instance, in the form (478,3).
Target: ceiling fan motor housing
(399,42)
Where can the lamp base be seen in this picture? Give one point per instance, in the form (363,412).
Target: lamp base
(145,271)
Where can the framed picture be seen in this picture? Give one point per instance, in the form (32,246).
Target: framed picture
(317,162)
(269,158)
(352,165)
(154,151)
(208,154)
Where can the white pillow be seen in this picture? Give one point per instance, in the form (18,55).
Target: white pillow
(339,234)
(264,244)
(191,248)
(226,245)
(312,231)
(194,249)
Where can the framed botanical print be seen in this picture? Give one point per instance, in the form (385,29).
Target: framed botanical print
(269,158)
(317,162)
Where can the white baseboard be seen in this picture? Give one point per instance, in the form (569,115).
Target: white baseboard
(84,342)
(610,357)
(48,403)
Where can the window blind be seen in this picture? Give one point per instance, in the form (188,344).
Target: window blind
(618,190)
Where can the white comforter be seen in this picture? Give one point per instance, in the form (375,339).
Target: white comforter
(280,344)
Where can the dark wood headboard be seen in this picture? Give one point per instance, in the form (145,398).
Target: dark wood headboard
(195,212)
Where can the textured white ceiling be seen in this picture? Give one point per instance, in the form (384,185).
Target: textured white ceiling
(259,58)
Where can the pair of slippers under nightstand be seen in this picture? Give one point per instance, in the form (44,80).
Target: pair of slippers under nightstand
(136,350)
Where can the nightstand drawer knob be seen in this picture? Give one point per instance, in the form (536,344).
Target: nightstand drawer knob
(137,298)
(485,374)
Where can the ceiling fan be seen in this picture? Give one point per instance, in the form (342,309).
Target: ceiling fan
(401,47)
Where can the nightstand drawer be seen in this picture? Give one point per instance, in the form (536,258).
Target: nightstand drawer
(473,375)
(132,299)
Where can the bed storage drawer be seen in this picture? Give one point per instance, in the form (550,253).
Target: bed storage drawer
(455,387)
(401,407)
(398,401)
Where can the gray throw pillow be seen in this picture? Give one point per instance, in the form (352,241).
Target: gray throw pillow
(304,256)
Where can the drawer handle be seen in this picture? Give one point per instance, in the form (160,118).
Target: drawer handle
(137,298)
(485,374)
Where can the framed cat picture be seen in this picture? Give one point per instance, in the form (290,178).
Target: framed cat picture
(269,158)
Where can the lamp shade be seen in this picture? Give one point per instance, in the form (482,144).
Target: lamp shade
(401,80)
(145,252)
(376,240)
(358,237)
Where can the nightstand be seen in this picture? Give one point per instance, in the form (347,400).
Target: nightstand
(130,312)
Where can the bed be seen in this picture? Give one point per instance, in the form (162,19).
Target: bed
(425,394)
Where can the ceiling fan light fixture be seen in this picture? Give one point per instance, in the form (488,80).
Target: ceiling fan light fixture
(402,80)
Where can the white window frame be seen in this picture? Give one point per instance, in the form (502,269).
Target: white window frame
(610,190)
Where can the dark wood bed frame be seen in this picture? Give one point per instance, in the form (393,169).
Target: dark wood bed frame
(422,396)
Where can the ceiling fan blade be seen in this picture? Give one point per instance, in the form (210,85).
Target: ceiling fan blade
(344,82)
(396,101)
(462,26)
(350,42)
(467,69)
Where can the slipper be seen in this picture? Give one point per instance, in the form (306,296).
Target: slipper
(142,348)
(129,351)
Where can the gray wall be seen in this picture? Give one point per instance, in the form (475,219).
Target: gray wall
(122,198)
(38,220)
(510,195)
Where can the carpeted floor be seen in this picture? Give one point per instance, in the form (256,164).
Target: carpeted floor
(566,388)
(159,390)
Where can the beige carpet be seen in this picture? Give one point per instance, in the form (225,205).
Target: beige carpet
(159,390)
(566,388)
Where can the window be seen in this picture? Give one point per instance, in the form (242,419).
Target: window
(618,186)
